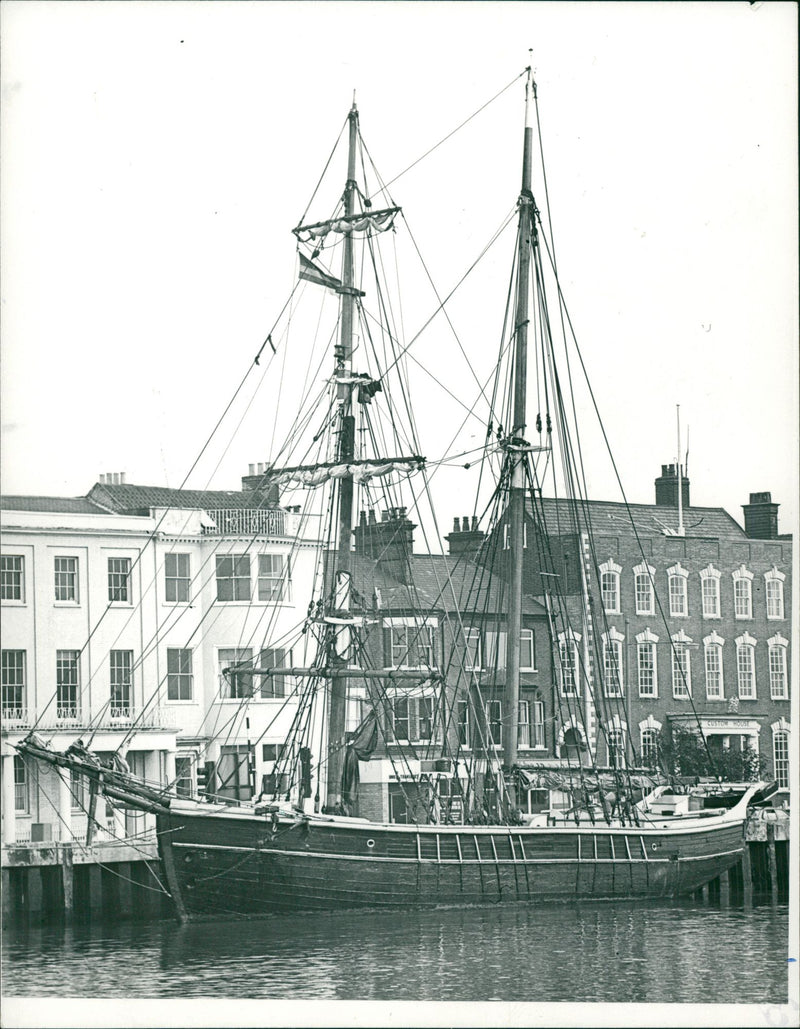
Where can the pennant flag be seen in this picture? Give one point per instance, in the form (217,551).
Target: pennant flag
(313,273)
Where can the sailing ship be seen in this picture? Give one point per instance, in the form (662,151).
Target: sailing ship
(392,666)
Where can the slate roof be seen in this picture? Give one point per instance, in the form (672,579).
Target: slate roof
(127,498)
(55,505)
(613,517)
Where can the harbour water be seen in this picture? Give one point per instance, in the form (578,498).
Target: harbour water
(626,953)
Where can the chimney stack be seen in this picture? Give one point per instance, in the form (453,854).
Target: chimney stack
(257,482)
(389,541)
(667,487)
(465,537)
(761,517)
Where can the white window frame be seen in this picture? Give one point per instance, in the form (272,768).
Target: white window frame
(526,634)
(778,670)
(495,739)
(646,574)
(613,641)
(649,729)
(742,593)
(236,577)
(176,578)
(613,571)
(119,580)
(413,647)
(781,765)
(746,655)
(22,787)
(524,725)
(473,649)
(774,594)
(120,679)
(273,585)
(239,690)
(68,680)
(647,639)
(712,649)
(275,686)
(70,582)
(178,677)
(538,736)
(14,693)
(568,648)
(12,579)
(678,585)
(681,661)
(709,588)
(617,744)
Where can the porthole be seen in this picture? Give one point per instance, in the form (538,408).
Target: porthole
(370,844)
(654,846)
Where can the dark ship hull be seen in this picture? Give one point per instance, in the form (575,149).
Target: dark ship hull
(249,864)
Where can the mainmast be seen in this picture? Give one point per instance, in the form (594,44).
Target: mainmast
(517,456)
(346,450)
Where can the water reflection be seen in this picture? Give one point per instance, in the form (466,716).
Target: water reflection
(590,952)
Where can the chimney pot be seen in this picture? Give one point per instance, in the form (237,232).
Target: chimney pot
(371,516)
(465,524)
(456,526)
(474,522)
(251,469)
(122,478)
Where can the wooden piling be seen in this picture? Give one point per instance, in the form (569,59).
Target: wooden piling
(67,881)
(747,876)
(725,890)
(772,861)
(95,889)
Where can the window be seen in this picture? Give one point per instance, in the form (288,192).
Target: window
(119,577)
(646,663)
(184,774)
(12,577)
(121,681)
(715,689)
(743,593)
(180,681)
(236,681)
(681,667)
(527,651)
(495,651)
(21,791)
(615,741)
(399,806)
(568,665)
(272,576)
(774,580)
(273,657)
(66,579)
(709,589)
(462,723)
(780,757)
(77,791)
(537,725)
(507,539)
(778,679)
(177,578)
(411,646)
(12,663)
(472,649)
(609,587)
(612,663)
(678,594)
(412,719)
(524,724)
(233,772)
(68,687)
(649,747)
(643,586)
(746,667)
(494,722)
(233,577)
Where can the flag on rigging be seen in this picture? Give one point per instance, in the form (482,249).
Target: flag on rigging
(313,273)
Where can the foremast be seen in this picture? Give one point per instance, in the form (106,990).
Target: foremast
(346,449)
(517,449)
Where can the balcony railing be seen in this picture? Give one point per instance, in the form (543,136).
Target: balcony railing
(16,719)
(15,716)
(244,521)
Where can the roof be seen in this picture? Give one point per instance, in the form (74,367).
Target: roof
(444,582)
(127,498)
(56,505)
(650,520)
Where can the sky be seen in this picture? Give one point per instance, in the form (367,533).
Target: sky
(155,157)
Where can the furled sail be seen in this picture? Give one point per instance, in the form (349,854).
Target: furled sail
(377,221)
(361,471)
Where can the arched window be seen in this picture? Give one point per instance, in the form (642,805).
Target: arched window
(609,587)
(615,740)
(778,677)
(742,593)
(572,744)
(780,753)
(715,686)
(643,585)
(774,584)
(568,664)
(709,589)
(678,591)
(649,735)
(681,666)
(746,666)
(612,662)
(646,663)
